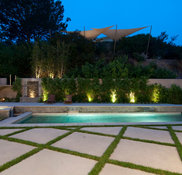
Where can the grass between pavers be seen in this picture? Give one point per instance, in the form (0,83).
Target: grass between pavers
(142,168)
(101,160)
(176,141)
(148,141)
(98,166)
(17,132)
(19,159)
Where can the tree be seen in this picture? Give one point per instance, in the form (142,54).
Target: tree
(23,20)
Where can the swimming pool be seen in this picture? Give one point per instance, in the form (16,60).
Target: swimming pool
(101,118)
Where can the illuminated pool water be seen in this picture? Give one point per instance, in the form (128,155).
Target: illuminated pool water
(102,118)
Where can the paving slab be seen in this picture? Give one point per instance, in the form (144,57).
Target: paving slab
(148,134)
(12,150)
(148,154)
(179,135)
(48,162)
(40,135)
(8,131)
(117,170)
(177,128)
(103,130)
(85,143)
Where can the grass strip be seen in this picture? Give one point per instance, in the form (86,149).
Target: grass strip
(26,142)
(148,141)
(142,168)
(63,136)
(146,127)
(19,159)
(176,141)
(96,133)
(98,166)
(17,132)
(75,153)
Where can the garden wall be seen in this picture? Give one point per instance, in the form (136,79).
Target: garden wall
(7,92)
(166,82)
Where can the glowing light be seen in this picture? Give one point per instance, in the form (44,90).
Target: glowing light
(90,97)
(51,75)
(156,95)
(32,94)
(132,97)
(113,96)
(45,95)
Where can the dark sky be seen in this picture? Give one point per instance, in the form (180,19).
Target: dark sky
(163,15)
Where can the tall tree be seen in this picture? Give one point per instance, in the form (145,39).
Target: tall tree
(30,19)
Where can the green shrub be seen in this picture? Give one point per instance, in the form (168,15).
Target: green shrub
(174,94)
(17,87)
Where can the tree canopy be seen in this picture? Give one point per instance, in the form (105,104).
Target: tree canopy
(24,20)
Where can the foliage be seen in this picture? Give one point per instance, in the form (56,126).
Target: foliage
(49,59)
(22,20)
(175,94)
(15,59)
(17,87)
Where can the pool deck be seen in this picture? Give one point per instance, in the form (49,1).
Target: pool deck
(88,149)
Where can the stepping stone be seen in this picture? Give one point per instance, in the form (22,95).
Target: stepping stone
(85,143)
(40,135)
(117,170)
(148,154)
(48,162)
(179,135)
(158,127)
(103,130)
(177,128)
(12,150)
(148,134)
(8,131)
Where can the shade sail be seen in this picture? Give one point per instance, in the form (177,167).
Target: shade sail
(91,34)
(119,33)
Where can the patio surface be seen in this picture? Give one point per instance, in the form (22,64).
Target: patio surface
(82,150)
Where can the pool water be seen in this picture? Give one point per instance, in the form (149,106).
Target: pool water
(102,118)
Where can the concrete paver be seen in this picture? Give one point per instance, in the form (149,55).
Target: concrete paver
(85,143)
(148,154)
(8,131)
(117,170)
(177,128)
(179,135)
(103,130)
(48,162)
(40,135)
(148,134)
(12,150)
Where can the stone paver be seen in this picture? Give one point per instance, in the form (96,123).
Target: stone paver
(8,131)
(40,135)
(148,134)
(48,162)
(117,170)
(179,135)
(85,143)
(103,130)
(12,150)
(177,128)
(148,154)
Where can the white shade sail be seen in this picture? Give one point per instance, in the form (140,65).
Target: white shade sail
(91,34)
(119,33)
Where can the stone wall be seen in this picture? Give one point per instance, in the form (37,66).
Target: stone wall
(3,81)
(166,82)
(7,92)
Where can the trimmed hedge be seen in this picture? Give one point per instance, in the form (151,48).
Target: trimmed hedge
(111,90)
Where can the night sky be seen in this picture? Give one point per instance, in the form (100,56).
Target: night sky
(163,15)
